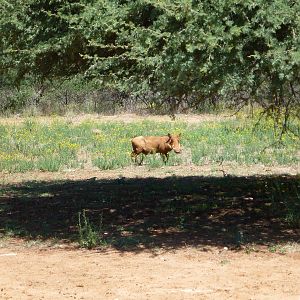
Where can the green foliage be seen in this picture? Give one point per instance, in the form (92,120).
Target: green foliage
(39,40)
(172,51)
(89,236)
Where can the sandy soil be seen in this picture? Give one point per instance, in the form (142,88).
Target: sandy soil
(184,274)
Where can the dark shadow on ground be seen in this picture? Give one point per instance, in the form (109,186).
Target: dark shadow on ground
(136,213)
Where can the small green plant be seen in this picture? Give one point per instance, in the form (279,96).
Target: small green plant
(293,218)
(181,222)
(277,248)
(273,248)
(249,248)
(88,235)
(282,250)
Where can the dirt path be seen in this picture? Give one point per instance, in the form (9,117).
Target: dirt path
(183,274)
(231,169)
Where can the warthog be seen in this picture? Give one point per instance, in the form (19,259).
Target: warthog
(155,144)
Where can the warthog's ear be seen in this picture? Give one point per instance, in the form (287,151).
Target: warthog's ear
(169,136)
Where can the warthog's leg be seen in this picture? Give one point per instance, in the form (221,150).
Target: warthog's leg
(165,157)
(141,160)
(134,156)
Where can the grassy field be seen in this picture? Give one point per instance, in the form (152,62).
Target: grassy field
(59,144)
(147,208)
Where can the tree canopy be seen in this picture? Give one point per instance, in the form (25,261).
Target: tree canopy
(242,50)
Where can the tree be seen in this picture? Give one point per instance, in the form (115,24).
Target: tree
(38,39)
(175,51)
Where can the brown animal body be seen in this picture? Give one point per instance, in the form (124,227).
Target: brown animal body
(155,144)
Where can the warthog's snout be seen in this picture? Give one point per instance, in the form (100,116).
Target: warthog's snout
(174,141)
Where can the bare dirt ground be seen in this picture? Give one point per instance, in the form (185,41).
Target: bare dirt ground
(184,274)
(144,171)
(39,269)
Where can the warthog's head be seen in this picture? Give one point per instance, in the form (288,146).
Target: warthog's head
(174,142)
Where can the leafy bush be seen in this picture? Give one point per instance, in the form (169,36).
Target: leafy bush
(173,54)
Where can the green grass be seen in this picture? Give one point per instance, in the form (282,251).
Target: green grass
(57,146)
